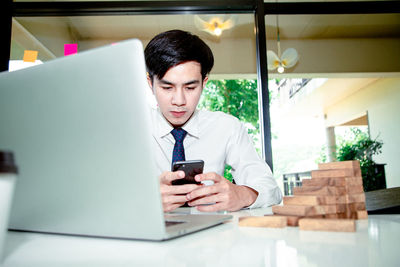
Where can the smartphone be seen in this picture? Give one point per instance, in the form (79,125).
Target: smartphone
(191,169)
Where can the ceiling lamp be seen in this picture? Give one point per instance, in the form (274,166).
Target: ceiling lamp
(288,58)
(214,25)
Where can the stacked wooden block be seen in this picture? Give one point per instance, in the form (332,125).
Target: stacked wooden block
(331,200)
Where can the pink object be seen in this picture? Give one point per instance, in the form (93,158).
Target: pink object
(70,49)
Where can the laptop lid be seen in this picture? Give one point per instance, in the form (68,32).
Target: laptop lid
(79,128)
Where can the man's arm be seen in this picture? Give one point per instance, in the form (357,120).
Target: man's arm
(223,193)
(249,169)
(255,185)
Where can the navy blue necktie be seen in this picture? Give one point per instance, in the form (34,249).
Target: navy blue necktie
(179,152)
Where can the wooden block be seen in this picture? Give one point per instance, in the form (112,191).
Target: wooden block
(349,164)
(310,200)
(319,190)
(348,214)
(352,215)
(353,181)
(293,210)
(341,215)
(354,189)
(333,181)
(353,198)
(332,216)
(355,206)
(293,220)
(302,200)
(330,200)
(362,215)
(332,173)
(308,211)
(265,221)
(336,225)
(328,209)
(326,181)
(340,208)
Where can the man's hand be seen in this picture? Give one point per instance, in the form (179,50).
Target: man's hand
(174,196)
(224,194)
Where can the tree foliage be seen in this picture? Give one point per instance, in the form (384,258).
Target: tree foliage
(236,97)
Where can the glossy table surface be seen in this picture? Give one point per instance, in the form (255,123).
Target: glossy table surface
(375,243)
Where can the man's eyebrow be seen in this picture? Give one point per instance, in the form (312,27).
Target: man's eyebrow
(192,82)
(186,83)
(166,82)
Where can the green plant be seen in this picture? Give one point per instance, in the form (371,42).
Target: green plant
(361,147)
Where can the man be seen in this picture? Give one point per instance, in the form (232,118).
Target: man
(178,64)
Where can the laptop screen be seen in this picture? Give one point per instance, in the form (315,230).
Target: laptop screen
(80,130)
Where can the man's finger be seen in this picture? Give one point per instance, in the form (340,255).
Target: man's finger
(202,191)
(174,199)
(214,198)
(168,177)
(207,176)
(183,189)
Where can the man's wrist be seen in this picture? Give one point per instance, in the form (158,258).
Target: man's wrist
(249,195)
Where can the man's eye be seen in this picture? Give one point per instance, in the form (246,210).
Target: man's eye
(190,88)
(166,87)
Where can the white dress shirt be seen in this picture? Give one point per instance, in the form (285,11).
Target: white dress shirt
(218,139)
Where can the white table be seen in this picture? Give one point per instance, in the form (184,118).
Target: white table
(375,243)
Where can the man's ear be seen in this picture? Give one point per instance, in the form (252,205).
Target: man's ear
(205,81)
(149,81)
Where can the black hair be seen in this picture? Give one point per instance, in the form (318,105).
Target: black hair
(171,48)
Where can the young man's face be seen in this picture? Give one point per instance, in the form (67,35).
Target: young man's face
(179,91)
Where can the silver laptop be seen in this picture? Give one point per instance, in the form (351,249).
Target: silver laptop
(80,130)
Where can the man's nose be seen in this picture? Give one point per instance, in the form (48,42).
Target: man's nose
(178,98)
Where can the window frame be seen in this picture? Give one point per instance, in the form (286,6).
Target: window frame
(259,8)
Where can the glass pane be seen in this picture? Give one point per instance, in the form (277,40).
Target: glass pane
(346,75)
(232,87)
(234,50)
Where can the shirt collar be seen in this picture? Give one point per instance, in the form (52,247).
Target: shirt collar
(164,127)
(192,125)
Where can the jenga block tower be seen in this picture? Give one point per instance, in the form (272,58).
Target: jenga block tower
(332,199)
(345,174)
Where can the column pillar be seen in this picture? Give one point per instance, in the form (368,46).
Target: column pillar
(330,144)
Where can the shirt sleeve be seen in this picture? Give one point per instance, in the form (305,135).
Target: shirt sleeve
(249,169)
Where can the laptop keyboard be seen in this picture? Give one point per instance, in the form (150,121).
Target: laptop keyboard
(170,223)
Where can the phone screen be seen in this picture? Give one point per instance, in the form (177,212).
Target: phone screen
(191,169)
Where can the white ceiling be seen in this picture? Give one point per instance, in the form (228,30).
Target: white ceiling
(291,26)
